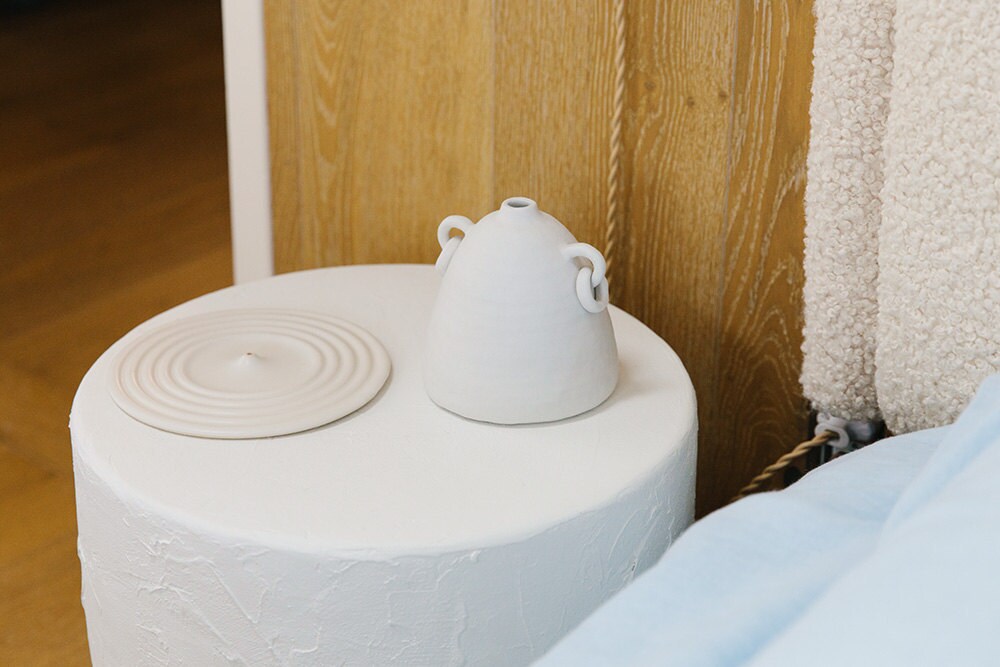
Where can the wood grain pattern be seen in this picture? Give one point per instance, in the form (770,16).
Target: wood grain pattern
(114,200)
(759,412)
(387,128)
(716,128)
(553,71)
(680,58)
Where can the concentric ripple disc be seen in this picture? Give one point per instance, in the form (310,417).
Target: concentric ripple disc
(248,373)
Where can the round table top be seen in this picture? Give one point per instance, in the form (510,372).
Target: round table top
(401,474)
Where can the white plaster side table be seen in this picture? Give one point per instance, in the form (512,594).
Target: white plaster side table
(401,533)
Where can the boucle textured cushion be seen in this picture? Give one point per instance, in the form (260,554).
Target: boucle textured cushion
(939,241)
(850,97)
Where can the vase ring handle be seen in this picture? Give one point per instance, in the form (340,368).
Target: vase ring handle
(591,281)
(448,243)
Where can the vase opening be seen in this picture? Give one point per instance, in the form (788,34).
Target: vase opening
(518,202)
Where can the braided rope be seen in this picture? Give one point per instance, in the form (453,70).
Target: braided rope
(768,473)
(616,141)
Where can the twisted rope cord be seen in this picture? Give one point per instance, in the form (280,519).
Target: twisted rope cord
(616,141)
(768,473)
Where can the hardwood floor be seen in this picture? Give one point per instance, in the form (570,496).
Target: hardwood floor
(113,207)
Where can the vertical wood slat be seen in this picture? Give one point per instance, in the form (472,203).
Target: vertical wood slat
(554,73)
(680,75)
(758,413)
(380,125)
(388,116)
(294,246)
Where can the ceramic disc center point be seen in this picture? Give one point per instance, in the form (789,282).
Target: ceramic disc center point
(249,359)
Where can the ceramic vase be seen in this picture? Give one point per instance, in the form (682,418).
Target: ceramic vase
(520,331)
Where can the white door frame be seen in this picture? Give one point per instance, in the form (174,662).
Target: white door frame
(247,132)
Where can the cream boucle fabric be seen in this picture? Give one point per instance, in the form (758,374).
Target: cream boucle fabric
(852,61)
(939,242)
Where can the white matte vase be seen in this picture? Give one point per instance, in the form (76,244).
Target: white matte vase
(520,331)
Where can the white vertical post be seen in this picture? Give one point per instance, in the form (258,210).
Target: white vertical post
(247,131)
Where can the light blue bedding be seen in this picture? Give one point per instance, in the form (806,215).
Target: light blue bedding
(886,556)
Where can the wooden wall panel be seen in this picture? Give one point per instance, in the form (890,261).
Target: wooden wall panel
(679,99)
(758,412)
(381,124)
(386,116)
(553,108)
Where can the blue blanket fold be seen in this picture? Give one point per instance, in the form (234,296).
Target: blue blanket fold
(887,556)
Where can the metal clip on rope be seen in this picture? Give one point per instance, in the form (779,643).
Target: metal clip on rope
(850,434)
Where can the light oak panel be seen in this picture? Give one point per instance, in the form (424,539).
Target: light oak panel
(553,77)
(381,117)
(680,77)
(759,412)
